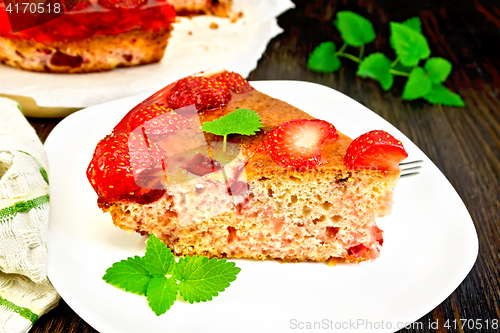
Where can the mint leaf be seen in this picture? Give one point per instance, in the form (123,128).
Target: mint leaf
(240,121)
(438,69)
(201,279)
(410,45)
(354,29)
(130,275)
(414,23)
(377,67)
(161,295)
(439,94)
(158,258)
(323,58)
(418,84)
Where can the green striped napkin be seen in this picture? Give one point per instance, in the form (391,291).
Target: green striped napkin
(25,291)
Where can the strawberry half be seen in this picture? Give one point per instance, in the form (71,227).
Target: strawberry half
(297,143)
(377,149)
(122,4)
(204,92)
(157,119)
(234,81)
(126,165)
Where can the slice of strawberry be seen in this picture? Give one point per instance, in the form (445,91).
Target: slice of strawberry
(122,4)
(234,81)
(357,251)
(157,119)
(375,149)
(126,166)
(297,143)
(204,92)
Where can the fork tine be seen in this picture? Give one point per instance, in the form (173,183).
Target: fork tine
(412,162)
(409,174)
(404,171)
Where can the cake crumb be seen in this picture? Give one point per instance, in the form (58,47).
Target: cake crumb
(190,33)
(214,25)
(234,18)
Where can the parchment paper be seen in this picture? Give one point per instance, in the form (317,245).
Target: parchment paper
(193,47)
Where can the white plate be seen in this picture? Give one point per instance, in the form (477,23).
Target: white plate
(192,47)
(430,244)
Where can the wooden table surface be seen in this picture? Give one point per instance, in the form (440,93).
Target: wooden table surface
(463,142)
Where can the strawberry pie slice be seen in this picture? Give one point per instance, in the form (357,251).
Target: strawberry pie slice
(295,189)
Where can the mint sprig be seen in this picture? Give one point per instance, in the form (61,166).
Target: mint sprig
(240,121)
(411,48)
(160,278)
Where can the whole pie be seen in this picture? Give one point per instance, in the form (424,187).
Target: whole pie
(98,35)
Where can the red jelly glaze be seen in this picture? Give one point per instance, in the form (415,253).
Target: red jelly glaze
(90,19)
(201,165)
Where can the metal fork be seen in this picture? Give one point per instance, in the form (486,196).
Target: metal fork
(410,168)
